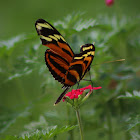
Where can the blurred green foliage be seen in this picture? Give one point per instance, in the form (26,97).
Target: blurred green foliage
(28,90)
(19,16)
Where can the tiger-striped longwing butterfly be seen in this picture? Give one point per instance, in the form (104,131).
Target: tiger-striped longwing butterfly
(65,66)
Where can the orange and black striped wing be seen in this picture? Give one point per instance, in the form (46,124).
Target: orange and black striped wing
(85,58)
(57,65)
(80,65)
(51,38)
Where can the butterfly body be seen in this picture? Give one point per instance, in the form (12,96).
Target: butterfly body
(65,66)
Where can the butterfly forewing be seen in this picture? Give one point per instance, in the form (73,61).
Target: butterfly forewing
(51,38)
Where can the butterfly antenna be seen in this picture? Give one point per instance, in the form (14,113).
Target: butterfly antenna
(119,60)
(61,96)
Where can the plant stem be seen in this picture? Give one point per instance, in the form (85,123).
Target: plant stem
(79,123)
(71,136)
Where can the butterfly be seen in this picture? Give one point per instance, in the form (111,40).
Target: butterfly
(65,66)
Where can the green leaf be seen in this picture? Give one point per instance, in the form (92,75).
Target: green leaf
(135,135)
(84,24)
(128,95)
(50,132)
(56,130)
(132,122)
(26,71)
(75,23)
(11,42)
(41,128)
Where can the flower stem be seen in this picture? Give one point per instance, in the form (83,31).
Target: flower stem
(69,112)
(79,123)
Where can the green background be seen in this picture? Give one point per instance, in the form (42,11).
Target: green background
(28,90)
(19,16)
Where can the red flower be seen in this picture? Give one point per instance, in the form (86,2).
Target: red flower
(109,2)
(75,93)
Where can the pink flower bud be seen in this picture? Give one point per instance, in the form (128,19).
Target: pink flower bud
(109,2)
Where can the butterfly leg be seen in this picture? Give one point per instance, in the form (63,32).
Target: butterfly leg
(89,79)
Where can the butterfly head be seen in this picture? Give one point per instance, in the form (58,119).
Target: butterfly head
(87,47)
